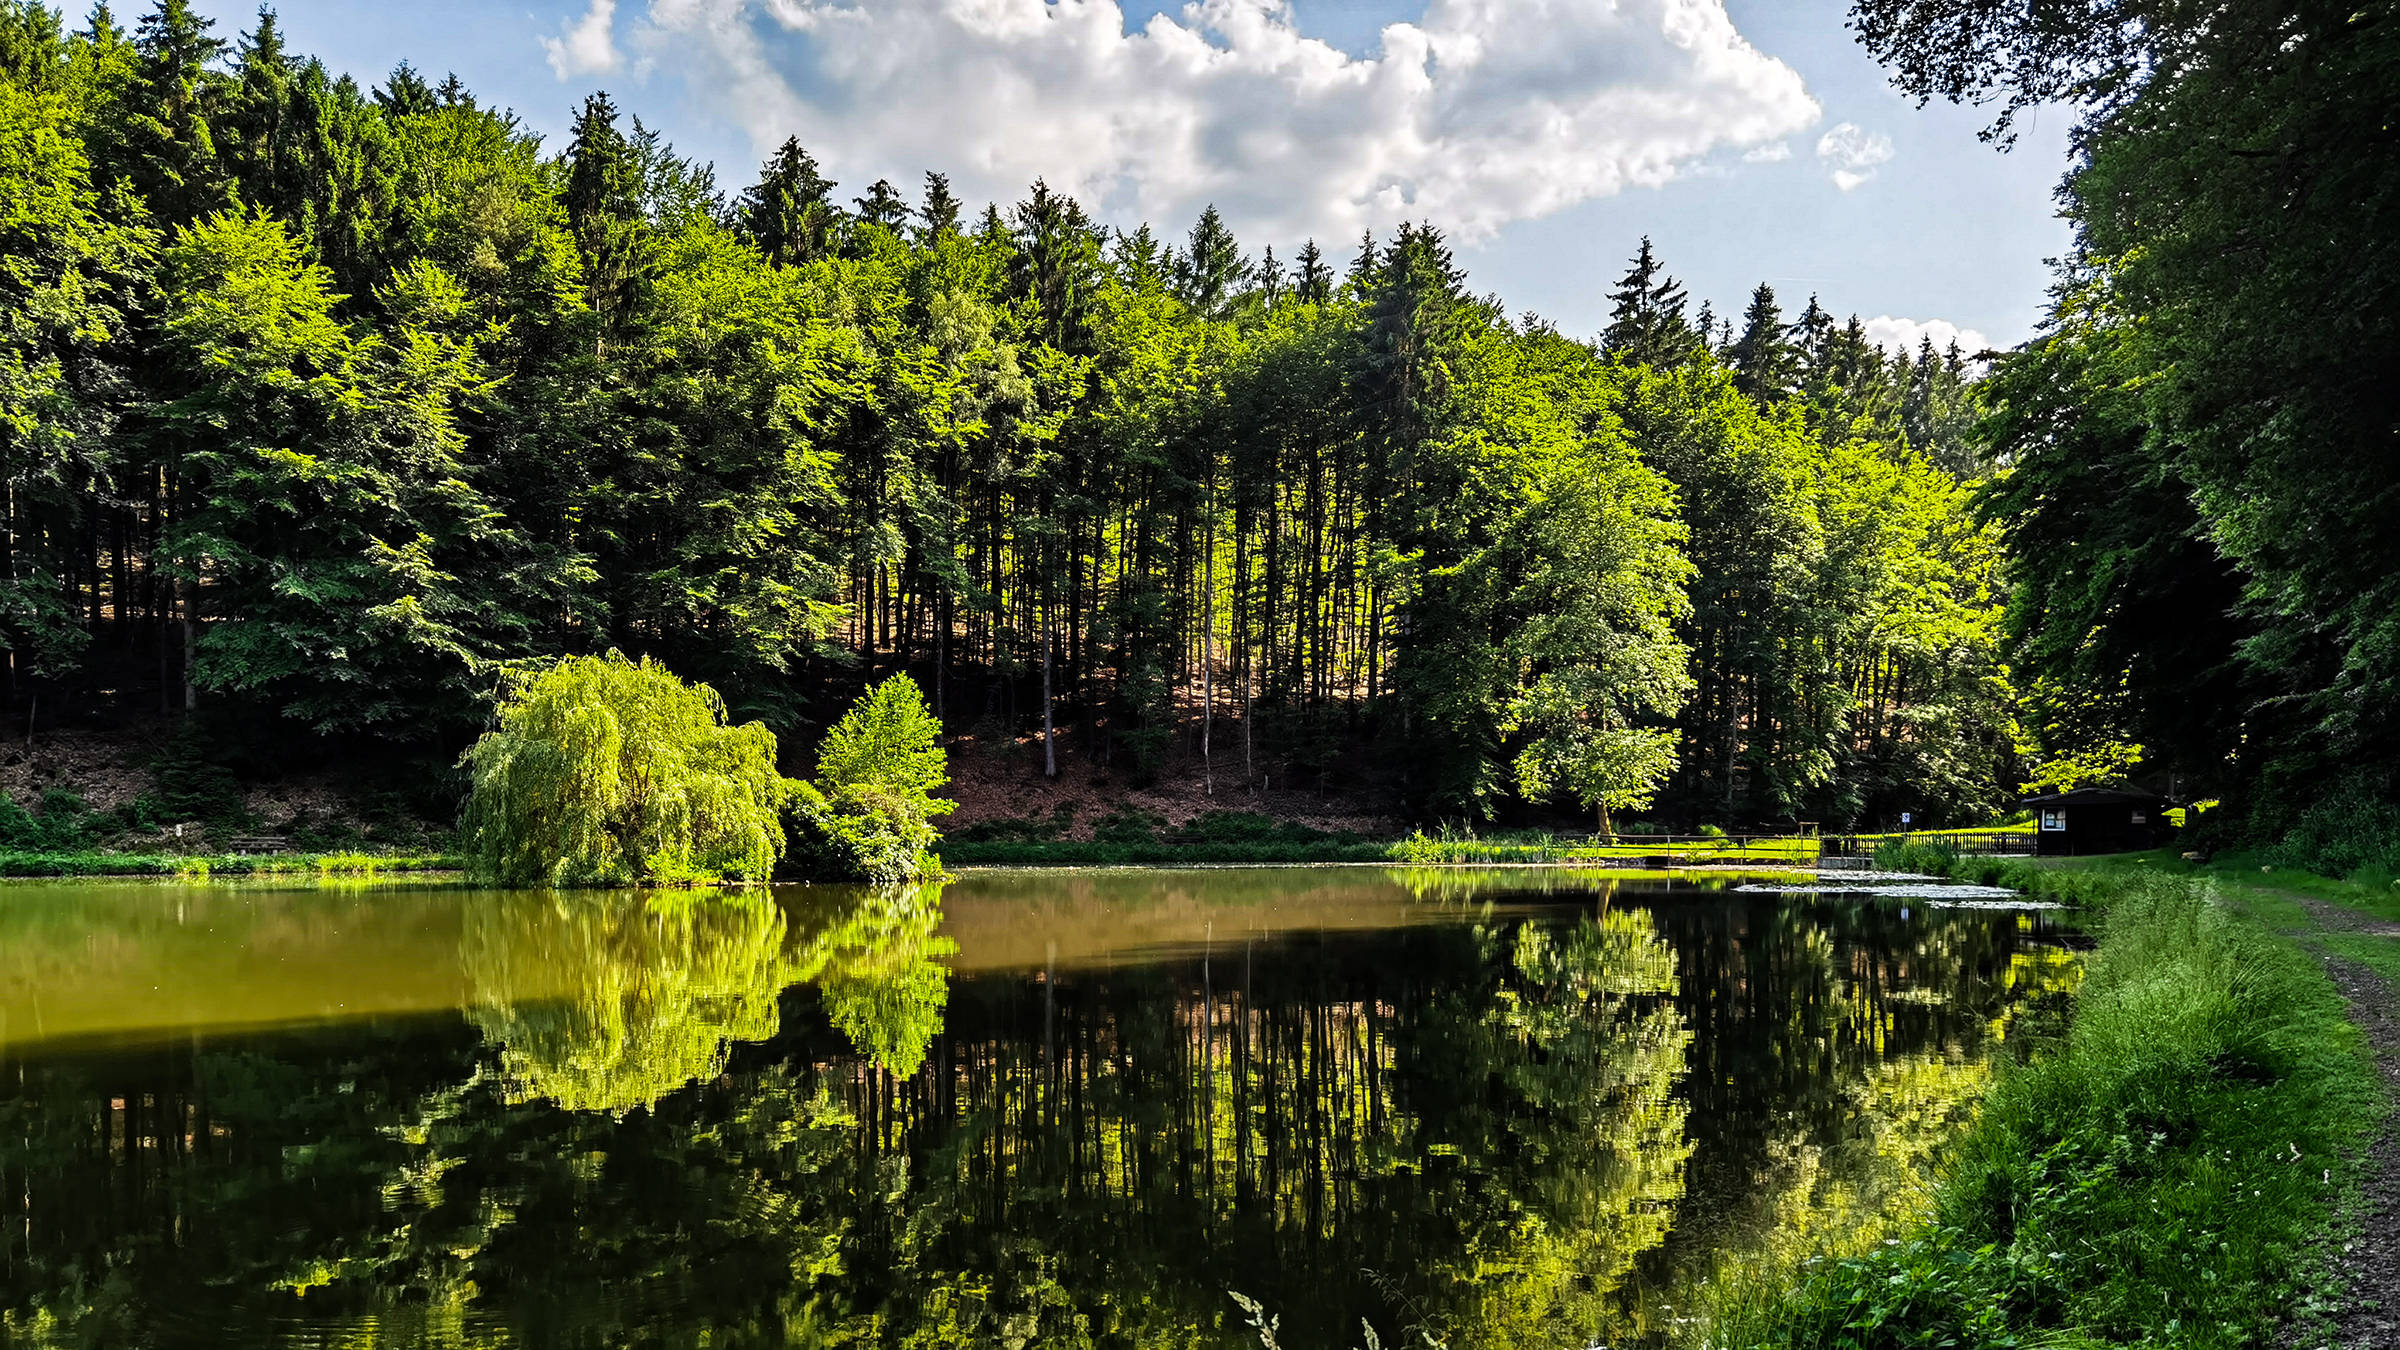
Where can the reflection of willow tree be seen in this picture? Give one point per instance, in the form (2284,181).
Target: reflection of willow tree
(1477,1135)
(604,1002)
(607,1002)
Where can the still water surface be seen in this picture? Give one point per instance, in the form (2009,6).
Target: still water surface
(1506,1108)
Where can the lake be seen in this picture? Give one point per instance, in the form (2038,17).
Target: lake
(1526,1107)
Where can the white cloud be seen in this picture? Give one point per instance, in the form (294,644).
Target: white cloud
(588,45)
(1901,336)
(1774,152)
(1480,113)
(1852,153)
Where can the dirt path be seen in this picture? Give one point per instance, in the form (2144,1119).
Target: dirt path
(2366,1275)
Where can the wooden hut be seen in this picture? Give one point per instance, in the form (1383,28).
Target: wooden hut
(2098,820)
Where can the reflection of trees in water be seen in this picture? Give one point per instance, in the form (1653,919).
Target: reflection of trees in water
(606,1002)
(876,963)
(1476,1135)
(1846,1049)
(603,1002)
(1503,1135)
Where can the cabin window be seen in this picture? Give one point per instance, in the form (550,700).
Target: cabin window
(2054,820)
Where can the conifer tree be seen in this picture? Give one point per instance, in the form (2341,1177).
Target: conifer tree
(603,204)
(1765,367)
(1272,281)
(938,215)
(883,205)
(169,142)
(789,213)
(1210,270)
(404,92)
(1313,283)
(1646,323)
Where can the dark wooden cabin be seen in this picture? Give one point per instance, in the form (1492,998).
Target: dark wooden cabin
(2098,820)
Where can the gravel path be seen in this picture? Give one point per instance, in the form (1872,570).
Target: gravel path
(2366,1300)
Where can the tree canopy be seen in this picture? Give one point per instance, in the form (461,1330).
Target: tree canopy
(327,404)
(605,771)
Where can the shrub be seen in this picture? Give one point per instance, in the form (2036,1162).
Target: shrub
(191,782)
(868,816)
(605,772)
(2353,828)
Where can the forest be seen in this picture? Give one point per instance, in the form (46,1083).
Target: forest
(326,407)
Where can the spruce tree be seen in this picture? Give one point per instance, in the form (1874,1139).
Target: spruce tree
(939,215)
(1765,366)
(166,124)
(1210,271)
(1646,323)
(1273,284)
(603,201)
(883,205)
(1313,283)
(1141,264)
(404,92)
(789,213)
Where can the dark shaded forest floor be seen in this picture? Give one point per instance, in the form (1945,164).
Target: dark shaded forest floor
(110,769)
(995,777)
(1000,778)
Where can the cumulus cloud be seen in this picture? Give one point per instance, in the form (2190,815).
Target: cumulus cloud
(1852,153)
(1773,153)
(586,46)
(1480,113)
(1901,336)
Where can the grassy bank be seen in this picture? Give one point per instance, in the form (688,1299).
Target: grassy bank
(2158,1180)
(95,863)
(1131,840)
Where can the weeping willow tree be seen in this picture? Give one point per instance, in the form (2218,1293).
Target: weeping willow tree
(604,772)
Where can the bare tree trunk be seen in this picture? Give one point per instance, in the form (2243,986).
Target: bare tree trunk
(191,643)
(1049,730)
(1208,656)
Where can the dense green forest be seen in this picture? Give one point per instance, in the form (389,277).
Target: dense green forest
(324,407)
(2201,491)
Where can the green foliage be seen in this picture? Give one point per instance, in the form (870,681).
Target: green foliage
(868,815)
(190,781)
(606,772)
(413,397)
(57,824)
(2198,468)
(2353,828)
(2154,1181)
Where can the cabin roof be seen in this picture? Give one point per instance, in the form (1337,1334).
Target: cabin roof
(2097,797)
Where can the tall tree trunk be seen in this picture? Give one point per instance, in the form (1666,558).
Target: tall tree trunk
(1049,730)
(1208,654)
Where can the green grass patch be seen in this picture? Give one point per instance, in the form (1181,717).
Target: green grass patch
(2159,1180)
(1237,841)
(33,863)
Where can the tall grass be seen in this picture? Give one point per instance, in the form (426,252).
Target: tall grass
(2156,1181)
(38,863)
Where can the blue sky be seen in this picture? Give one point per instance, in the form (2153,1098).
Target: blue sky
(1751,139)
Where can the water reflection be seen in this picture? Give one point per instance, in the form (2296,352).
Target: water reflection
(600,1004)
(1029,1111)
